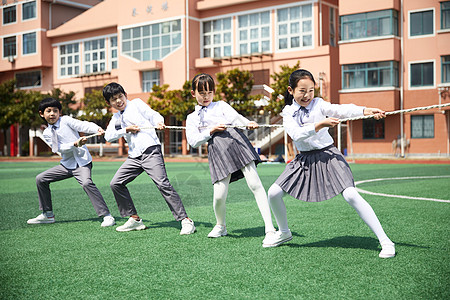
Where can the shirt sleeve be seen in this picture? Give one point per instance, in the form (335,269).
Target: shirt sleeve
(232,116)
(341,111)
(294,130)
(153,116)
(82,126)
(195,137)
(111,134)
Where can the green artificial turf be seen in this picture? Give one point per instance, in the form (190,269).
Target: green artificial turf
(333,255)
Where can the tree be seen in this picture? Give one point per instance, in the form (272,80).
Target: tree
(7,96)
(279,85)
(69,104)
(235,86)
(26,108)
(95,109)
(177,103)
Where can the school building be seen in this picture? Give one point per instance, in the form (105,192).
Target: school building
(391,54)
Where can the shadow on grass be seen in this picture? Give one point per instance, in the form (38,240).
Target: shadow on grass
(351,242)
(175,224)
(252,232)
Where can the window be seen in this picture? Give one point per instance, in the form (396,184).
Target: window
(332,28)
(29,10)
(422,126)
(94,56)
(9,46)
(29,43)
(370,75)
(149,79)
(445,15)
(421,23)
(9,14)
(373,129)
(151,42)
(371,24)
(69,60)
(28,79)
(295,25)
(422,74)
(113,50)
(217,38)
(254,33)
(176,137)
(445,67)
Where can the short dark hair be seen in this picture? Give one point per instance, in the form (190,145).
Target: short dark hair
(49,102)
(111,90)
(203,82)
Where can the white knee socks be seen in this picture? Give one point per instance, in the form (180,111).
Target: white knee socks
(255,185)
(220,197)
(278,207)
(366,213)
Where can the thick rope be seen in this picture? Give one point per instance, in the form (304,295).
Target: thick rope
(340,120)
(397,112)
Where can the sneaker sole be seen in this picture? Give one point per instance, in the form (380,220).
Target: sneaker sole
(277,244)
(218,236)
(386,256)
(131,229)
(43,222)
(108,225)
(189,232)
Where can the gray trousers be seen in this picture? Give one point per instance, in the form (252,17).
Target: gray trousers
(152,162)
(81,174)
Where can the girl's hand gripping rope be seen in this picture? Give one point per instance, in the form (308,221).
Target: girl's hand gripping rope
(376,112)
(132,129)
(252,125)
(218,128)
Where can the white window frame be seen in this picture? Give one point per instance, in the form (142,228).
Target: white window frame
(23,43)
(150,81)
(289,36)
(91,52)
(213,45)
(409,23)
(429,87)
(3,19)
(110,50)
(249,27)
(3,46)
(73,64)
(171,33)
(35,15)
(29,87)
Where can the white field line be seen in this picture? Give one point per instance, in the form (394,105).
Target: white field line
(400,196)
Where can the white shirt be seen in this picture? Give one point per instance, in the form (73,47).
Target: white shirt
(67,129)
(214,114)
(304,135)
(137,112)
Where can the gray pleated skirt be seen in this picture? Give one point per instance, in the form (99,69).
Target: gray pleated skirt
(317,175)
(228,152)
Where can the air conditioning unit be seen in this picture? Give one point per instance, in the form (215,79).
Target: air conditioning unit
(11,59)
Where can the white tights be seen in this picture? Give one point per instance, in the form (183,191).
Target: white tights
(255,185)
(350,195)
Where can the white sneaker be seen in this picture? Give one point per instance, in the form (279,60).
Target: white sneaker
(218,231)
(387,250)
(131,224)
(187,226)
(276,238)
(42,219)
(108,221)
